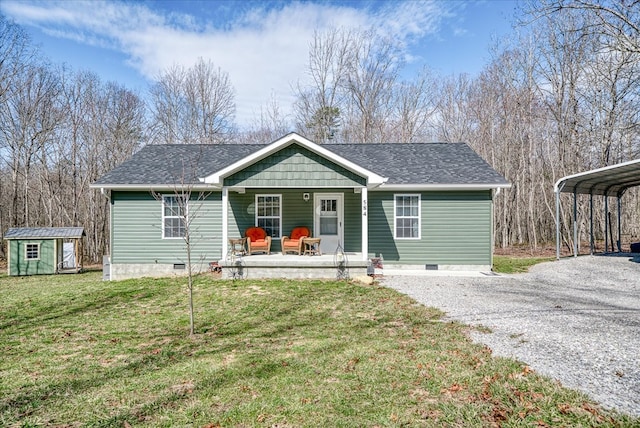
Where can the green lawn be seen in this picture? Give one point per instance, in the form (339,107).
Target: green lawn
(77,351)
(505,264)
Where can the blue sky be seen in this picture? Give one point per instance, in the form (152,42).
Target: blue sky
(262,45)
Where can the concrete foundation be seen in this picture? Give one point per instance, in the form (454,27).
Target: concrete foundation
(120,271)
(291,266)
(254,266)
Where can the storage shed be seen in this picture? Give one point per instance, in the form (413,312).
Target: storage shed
(44,250)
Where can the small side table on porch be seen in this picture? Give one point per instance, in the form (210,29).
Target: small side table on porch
(238,246)
(311,246)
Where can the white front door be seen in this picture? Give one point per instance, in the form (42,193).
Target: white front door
(328,221)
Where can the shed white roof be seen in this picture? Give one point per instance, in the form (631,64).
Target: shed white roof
(44,233)
(611,180)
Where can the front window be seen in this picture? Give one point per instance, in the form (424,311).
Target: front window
(407,216)
(268,214)
(174,212)
(32,251)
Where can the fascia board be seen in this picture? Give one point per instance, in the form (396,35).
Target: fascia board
(440,187)
(155,187)
(217,177)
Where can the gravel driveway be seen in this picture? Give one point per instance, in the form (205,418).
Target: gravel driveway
(575,320)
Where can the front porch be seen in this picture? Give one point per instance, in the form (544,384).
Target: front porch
(277,265)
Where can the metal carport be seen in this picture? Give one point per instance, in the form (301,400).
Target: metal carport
(610,181)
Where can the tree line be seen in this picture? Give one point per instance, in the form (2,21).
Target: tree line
(561,96)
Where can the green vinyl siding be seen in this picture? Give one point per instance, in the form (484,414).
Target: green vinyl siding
(19,265)
(455,229)
(136,235)
(294,212)
(352,222)
(294,166)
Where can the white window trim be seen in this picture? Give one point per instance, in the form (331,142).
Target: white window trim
(266,195)
(26,252)
(186,215)
(395,216)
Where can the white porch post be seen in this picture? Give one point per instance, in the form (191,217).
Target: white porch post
(365,224)
(225,215)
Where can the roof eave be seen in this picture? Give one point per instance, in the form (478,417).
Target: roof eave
(443,187)
(197,187)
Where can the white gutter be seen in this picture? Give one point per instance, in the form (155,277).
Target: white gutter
(156,187)
(442,187)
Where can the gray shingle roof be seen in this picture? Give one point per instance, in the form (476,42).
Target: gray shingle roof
(44,232)
(170,163)
(421,163)
(417,164)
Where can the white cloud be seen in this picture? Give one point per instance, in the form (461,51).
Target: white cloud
(264,51)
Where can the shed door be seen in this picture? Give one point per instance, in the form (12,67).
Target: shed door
(69,261)
(328,221)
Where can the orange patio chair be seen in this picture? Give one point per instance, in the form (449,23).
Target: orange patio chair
(257,240)
(293,242)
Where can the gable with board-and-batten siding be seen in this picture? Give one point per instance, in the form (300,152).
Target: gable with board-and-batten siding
(294,166)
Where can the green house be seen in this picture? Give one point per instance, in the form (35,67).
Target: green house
(426,206)
(44,250)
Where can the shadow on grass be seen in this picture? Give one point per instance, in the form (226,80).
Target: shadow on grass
(26,317)
(263,325)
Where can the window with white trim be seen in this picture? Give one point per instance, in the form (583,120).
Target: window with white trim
(268,214)
(32,251)
(406,210)
(174,216)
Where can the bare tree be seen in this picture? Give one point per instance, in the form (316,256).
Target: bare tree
(184,205)
(28,120)
(372,72)
(193,106)
(16,53)
(319,105)
(271,124)
(414,104)
(615,23)
(353,83)
(611,106)
(454,123)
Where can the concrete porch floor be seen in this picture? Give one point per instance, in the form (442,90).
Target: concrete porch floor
(277,265)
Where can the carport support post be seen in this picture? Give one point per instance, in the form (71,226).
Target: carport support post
(558,190)
(619,225)
(575,224)
(591,244)
(606,223)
